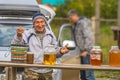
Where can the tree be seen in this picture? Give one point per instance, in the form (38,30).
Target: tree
(84,7)
(109,8)
(87,8)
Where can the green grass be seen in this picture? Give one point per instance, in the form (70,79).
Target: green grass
(105,40)
(108,74)
(56,24)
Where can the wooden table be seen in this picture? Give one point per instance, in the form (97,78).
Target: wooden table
(13,66)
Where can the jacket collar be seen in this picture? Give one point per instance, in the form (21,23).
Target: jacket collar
(80,18)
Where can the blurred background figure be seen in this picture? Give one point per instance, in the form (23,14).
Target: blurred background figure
(84,39)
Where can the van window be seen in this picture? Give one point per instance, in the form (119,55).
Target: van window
(7,32)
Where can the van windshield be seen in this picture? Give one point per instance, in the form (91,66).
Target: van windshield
(7,32)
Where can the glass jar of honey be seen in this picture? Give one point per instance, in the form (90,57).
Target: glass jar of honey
(30,58)
(96,56)
(114,56)
(50,55)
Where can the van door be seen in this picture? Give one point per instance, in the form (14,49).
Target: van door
(66,37)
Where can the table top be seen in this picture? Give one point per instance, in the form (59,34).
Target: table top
(61,66)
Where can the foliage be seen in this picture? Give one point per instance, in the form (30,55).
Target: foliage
(108,8)
(108,75)
(84,7)
(105,40)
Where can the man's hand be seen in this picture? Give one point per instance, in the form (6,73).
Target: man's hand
(20,30)
(84,54)
(64,50)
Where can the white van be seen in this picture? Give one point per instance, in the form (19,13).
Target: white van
(14,13)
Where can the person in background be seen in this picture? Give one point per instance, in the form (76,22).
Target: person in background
(84,39)
(38,38)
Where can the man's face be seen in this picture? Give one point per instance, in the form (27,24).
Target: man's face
(74,18)
(39,24)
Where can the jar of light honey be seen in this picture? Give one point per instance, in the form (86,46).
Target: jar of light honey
(96,56)
(50,55)
(114,56)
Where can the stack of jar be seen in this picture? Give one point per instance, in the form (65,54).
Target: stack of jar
(18,53)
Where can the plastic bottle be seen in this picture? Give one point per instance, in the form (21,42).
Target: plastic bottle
(96,56)
(50,55)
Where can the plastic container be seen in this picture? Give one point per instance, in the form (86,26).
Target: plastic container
(114,56)
(96,56)
(50,55)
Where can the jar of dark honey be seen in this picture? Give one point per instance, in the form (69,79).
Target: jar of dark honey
(96,56)
(114,56)
(30,58)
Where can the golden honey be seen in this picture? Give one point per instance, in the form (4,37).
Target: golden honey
(114,58)
(50,59)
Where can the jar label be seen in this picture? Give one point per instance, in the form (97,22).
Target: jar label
(95,56)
